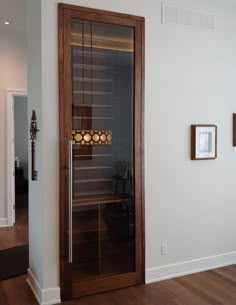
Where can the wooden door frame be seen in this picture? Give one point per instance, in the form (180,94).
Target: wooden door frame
(65,12)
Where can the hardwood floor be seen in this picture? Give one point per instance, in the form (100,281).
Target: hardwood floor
(16,291)
(214,287)
(18,234)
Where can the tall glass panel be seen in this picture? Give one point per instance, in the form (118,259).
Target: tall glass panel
(103,225)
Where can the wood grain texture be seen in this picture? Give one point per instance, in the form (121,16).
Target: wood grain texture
(96,11)
(104,284)
(16,291)
(142,153)
(62,137)
(213,287)
(16,235)
(66,14)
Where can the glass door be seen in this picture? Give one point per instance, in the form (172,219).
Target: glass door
(102,136)
(101,214)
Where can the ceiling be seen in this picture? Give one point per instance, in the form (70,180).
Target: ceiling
(15,12)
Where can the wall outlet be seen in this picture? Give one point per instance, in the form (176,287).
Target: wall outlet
(164,249)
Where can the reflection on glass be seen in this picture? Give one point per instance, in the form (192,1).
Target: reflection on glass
(102,133)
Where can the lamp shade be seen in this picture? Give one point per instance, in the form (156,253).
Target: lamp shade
(92,137)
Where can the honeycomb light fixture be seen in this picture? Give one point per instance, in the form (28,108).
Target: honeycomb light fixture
(92,137)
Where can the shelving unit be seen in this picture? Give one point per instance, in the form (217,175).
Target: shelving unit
(94,184)
(96,177)
(94,231)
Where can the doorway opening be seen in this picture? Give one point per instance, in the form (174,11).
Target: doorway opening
(14,238)
(21,162)
(17,153)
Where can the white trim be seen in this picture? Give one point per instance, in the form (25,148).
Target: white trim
(3,222)
(174,270)
(44,296)
(34,285)
(11,154)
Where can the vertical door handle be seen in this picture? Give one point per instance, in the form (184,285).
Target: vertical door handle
(70,244)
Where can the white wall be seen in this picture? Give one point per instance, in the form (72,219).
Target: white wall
(21,131)
(12,76)
(36,202)
(190,77)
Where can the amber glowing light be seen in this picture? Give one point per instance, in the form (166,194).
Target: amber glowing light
(92,137)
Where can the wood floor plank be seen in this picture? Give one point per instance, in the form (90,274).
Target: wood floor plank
(3,298)
(184,295)
(99,299)
(229,273)
(160,295)
(141,293)
(17,292)
(198,292)
(125,296)
(214,287)
(218,291)
(223,280)
(16,235)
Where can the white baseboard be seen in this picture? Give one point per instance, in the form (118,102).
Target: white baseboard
(4,222)
(43,296)
(174,270)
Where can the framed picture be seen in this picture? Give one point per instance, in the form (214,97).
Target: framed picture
(203,142)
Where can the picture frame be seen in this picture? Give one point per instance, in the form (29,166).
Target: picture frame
(203,142)
(234,129)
